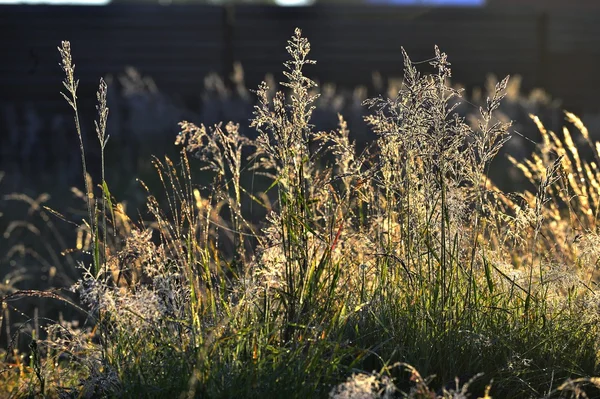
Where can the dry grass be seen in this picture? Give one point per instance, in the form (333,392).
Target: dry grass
(405,253)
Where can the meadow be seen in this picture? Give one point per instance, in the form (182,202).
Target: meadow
(399,269)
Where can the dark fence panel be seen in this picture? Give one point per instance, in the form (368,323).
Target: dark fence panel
(352,42)
(573,58)
(176,46)
(179,45)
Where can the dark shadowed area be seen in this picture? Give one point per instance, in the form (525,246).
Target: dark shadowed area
(170,62)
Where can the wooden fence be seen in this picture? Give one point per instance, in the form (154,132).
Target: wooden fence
(556,49)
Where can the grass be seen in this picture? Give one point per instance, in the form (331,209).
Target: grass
(367,271)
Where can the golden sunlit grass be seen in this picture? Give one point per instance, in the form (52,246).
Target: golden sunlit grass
(366,271)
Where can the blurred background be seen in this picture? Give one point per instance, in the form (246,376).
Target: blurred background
(167,60)
(170,60)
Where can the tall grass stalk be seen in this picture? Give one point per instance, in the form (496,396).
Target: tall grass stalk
(71,84)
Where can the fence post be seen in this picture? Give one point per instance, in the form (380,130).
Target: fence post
(542,45)
(228,52)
